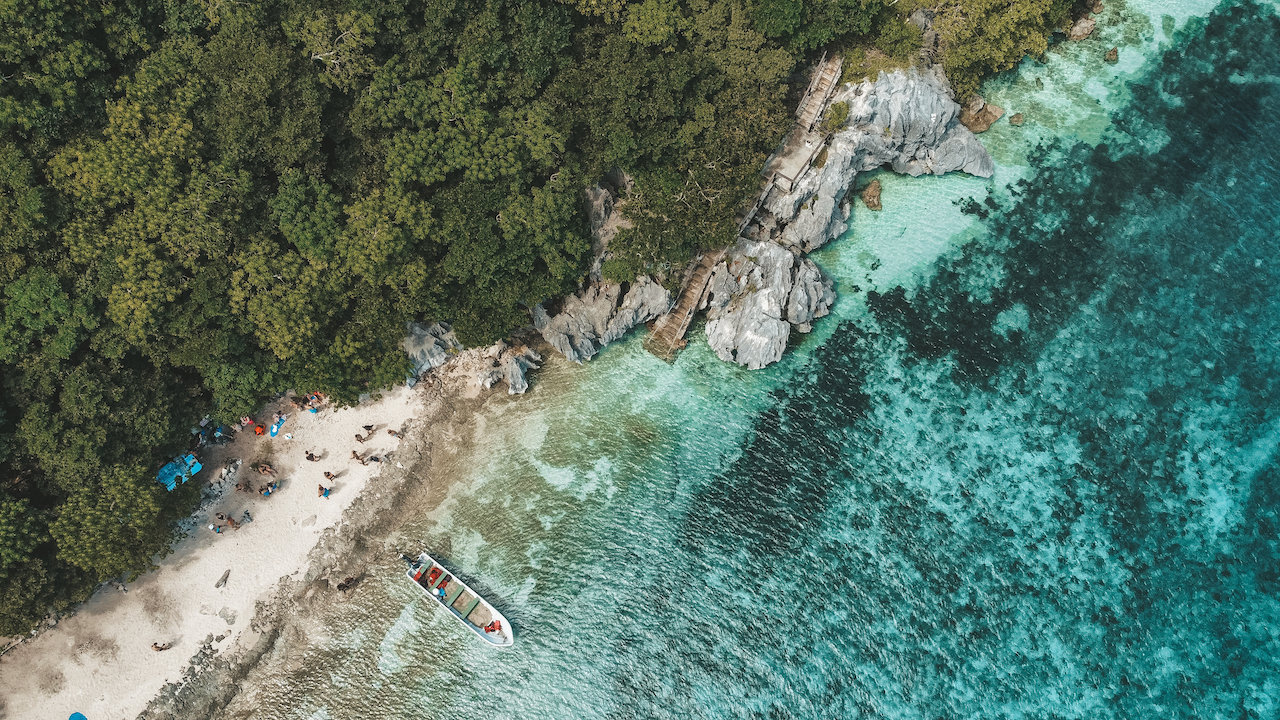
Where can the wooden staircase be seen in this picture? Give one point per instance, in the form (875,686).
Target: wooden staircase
(826,78)
(667,337)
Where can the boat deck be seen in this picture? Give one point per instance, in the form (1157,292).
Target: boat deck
(461,601)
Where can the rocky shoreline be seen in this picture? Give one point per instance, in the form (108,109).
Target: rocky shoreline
(765,288)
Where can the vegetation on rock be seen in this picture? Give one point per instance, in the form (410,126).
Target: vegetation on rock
(205,203)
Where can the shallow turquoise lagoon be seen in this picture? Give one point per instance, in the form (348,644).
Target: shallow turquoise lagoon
(1026,470)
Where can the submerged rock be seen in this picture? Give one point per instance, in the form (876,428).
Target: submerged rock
(1112,56)
(1082,29)
(904,119)
(871,195)
(1016,119)
(594,317)
(757,296)
(980,115)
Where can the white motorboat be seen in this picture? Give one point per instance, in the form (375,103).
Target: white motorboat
(460,601)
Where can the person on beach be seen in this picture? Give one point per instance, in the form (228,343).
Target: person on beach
(312,456)
(266,490)
(161,648)
(266,469)
(216,528)
(231,522)
(220,517)
(323,491)
(243,486)
(359,438)
(356,456)
(393,433)
(374,458)
(329,476)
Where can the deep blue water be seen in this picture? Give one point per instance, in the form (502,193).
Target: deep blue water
(1039,481)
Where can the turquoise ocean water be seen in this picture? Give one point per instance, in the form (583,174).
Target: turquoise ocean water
(1028,469)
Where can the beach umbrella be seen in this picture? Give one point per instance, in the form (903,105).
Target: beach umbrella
(77,716)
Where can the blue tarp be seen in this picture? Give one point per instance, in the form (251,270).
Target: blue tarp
(180,469)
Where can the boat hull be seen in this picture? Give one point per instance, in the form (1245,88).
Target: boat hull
(460,601)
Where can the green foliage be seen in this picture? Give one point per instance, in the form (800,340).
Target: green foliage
(810,25)
(837,116)
(205,203)
(898,38)
(117,526)
(21,532)
(981,37)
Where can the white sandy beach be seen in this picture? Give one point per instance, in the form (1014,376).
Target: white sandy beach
(99,661)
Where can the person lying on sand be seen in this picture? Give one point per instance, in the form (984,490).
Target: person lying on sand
(356,456)
(161,648)
(393,433)
(266,490)
(266,469)
(329,476)
(312,456)
(359,438)
(244,486)
(233,524)
(322,492)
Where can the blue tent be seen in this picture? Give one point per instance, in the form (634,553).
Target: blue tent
(180,469)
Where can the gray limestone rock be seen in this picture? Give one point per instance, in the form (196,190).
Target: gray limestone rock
(429,346)
(594,318)
(757,296)
(905,119)
(508,365)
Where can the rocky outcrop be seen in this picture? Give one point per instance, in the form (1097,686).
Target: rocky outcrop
(1082,29)
(871,195)
(594,317)
(430,346)
(980,115)
(904,119)
(757,296)
(508,365)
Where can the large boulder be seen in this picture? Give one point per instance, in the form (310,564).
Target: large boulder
(905,119)
(429,346)
(502,363)
(593,318)
(756,296)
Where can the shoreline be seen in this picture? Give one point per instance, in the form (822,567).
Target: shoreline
(97,660)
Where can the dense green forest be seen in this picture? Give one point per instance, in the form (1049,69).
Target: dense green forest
(205,203)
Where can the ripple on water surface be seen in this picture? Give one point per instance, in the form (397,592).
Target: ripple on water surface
(1027,470)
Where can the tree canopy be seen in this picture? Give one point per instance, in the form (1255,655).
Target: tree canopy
(205,203)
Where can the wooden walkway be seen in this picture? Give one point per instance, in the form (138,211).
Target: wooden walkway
(825,81)
(667,337)
(782,170)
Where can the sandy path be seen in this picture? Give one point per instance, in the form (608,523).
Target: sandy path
(99,661)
